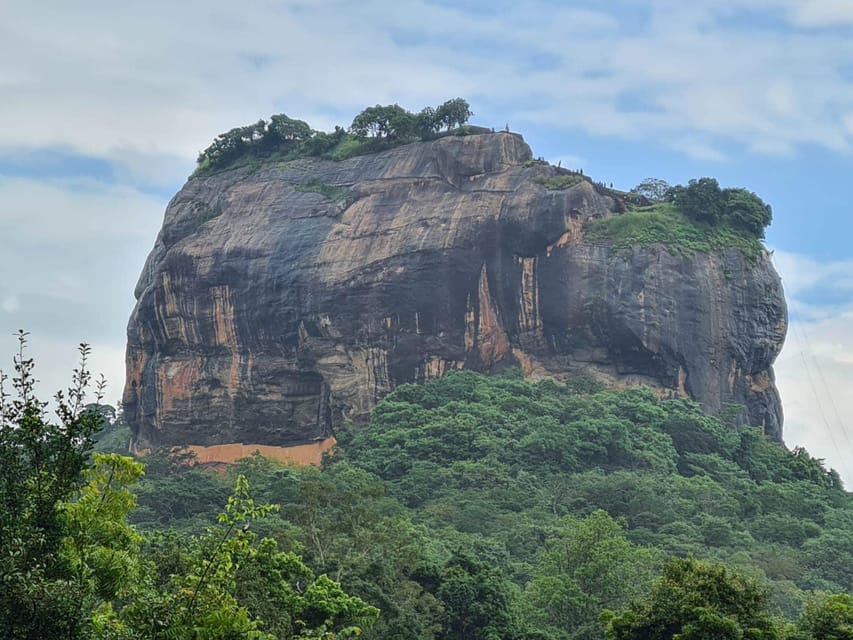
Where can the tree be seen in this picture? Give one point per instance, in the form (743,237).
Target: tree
(453,113)
(747,212)
(392,122)
(477,601)
(696,600)
(588,565)
(368,123)
(426,123)
(702,200)
(321,142)
(401,123)
(41,466)
(102,549)
(830,618)
(114,436)
(653,188)
(354,532)
(831,556)
(71,566)
(233,584)
(283,129)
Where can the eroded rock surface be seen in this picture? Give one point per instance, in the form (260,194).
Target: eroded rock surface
(278,302)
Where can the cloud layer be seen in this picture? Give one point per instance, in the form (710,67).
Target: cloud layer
(113,80)
(70,253)
(815,370)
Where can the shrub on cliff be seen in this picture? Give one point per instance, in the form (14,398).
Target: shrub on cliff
(746,211)
(702,200)
(232,144)
(663,224)
(284,130)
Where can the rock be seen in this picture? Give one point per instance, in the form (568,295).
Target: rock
(280,301)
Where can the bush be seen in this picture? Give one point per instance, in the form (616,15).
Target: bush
(329,191)
(747,212)
(702,200)
(652,188)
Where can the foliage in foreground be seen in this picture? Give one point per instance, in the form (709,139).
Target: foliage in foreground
(41,467)
(694,600)
(472,507)
(71,566)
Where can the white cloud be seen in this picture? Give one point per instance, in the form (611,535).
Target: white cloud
(697,148)
(64,212)
(10,303)
(821,13)
(112,80)
(56,358)
(815,369)
(803,274)
(70,254)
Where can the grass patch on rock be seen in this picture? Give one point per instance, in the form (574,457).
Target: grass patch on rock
(662,224)
(329,191)
(559,182)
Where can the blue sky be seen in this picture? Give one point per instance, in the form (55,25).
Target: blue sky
(105,106)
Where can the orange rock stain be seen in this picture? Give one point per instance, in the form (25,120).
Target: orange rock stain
(304,454)
(492,338)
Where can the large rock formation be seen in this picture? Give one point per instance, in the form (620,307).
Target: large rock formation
(280,301)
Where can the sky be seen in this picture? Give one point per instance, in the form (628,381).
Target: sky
(105,105)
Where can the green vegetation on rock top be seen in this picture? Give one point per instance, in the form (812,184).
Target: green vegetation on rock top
(699,217)
(375,129)
(662,223)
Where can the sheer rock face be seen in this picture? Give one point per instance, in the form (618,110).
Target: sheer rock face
(278,302)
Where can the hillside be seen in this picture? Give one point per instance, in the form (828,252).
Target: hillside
(490,507)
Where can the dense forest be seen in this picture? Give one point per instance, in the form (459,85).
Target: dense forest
(470,507)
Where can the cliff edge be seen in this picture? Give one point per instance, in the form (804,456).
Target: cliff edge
(281,300)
